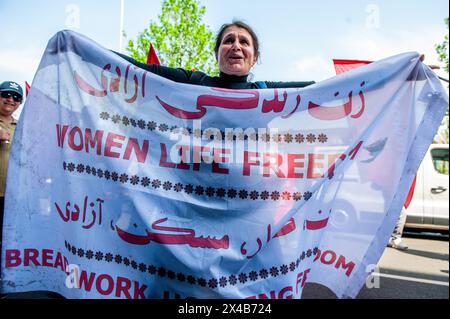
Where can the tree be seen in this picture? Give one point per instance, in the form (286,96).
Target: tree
(442,51)
(180,38)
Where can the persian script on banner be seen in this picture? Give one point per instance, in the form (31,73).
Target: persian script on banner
(123,184)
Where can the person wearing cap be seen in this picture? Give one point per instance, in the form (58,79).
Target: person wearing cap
(11,96)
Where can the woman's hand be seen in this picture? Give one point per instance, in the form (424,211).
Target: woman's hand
(433,67)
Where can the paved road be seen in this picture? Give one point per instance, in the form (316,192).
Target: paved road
(421,272)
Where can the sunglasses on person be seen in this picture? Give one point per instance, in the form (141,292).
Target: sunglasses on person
(16,97)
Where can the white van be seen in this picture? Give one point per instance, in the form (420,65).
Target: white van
(429,207)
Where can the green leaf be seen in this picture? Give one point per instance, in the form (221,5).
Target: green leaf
(179,36)
(442,51)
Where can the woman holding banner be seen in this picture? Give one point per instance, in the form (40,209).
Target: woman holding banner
(236,51)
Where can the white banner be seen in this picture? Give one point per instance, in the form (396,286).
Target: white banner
(123,184)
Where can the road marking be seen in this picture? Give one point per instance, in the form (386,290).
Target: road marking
(425,281)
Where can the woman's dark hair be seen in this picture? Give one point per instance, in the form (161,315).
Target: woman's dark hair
(238,24)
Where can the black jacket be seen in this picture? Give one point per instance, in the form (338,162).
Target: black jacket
(199,78)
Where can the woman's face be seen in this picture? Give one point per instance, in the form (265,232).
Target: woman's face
(236,54)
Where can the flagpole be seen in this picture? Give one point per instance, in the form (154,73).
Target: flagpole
(122,9)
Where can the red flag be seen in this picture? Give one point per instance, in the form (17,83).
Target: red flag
(342,66)
(152,58)
(27,88)
(410,194)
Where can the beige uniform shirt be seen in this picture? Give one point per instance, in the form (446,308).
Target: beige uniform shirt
(5,148)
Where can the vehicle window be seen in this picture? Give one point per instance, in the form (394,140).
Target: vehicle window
(440,160)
